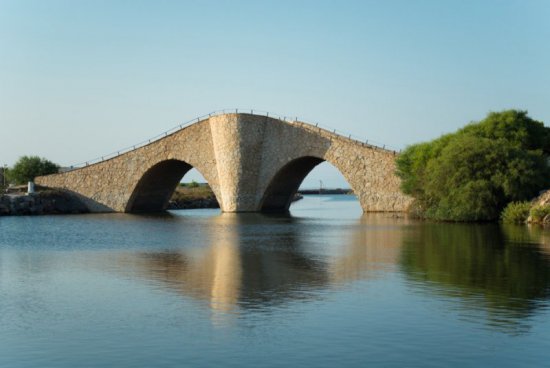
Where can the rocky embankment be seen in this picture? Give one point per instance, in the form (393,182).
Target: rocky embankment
(187,204)
(540,210)
(543,199)
(187,197)
(40,203)
(209,201)
(50,201)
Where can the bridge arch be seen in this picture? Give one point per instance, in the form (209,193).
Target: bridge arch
(287,180)
(154,189)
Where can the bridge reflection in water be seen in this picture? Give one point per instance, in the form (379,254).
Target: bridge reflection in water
(258,262)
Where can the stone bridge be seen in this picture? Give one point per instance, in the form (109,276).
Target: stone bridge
(252,163)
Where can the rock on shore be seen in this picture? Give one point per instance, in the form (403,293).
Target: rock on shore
(187,204)
(41,203)
(51,201)
(542,203)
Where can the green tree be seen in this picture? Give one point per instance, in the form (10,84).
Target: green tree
(29,167)
(471,175)
(3,177)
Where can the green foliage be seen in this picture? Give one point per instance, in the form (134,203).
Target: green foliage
(186,193)
(472,174)
(516,212)
(29,167)
(538,213)
(3,177)
(192,184)
(514,127)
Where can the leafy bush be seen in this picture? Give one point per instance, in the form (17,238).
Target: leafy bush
(29,167)
(538,213)
(515,212)
(471,175)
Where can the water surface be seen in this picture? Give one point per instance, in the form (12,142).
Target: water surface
(325,287)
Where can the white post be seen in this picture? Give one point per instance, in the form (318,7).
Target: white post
(30,187)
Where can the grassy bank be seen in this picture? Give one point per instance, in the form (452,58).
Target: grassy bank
(190,193)
(188,196)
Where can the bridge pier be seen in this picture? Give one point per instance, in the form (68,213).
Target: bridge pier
(238,142)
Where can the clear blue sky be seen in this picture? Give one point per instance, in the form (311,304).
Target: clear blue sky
(79,79)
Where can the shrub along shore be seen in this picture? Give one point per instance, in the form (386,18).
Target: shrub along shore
(533,212)
(474,173)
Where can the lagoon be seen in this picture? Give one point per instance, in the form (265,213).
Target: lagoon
(324,286)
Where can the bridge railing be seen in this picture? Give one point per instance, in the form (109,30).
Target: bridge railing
(287,118)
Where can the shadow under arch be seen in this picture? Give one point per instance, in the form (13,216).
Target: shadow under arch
(286,182)
(154,189)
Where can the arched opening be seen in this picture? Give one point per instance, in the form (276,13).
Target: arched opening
(285,184)
(309,175)
(193,192)
(156,187)
(324,176)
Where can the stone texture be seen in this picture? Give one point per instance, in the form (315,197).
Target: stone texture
(252,163)
(41,203)
(543,199)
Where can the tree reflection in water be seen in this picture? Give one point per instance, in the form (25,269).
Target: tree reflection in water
(484,266)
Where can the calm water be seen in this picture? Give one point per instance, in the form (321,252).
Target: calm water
(324,287)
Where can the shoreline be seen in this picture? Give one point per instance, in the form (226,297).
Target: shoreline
(44,202)
(57,202)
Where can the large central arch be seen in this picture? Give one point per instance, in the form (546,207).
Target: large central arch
(284,185)
(154,189)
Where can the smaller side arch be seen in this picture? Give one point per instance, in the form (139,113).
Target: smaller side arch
(284,185)
(155,187)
